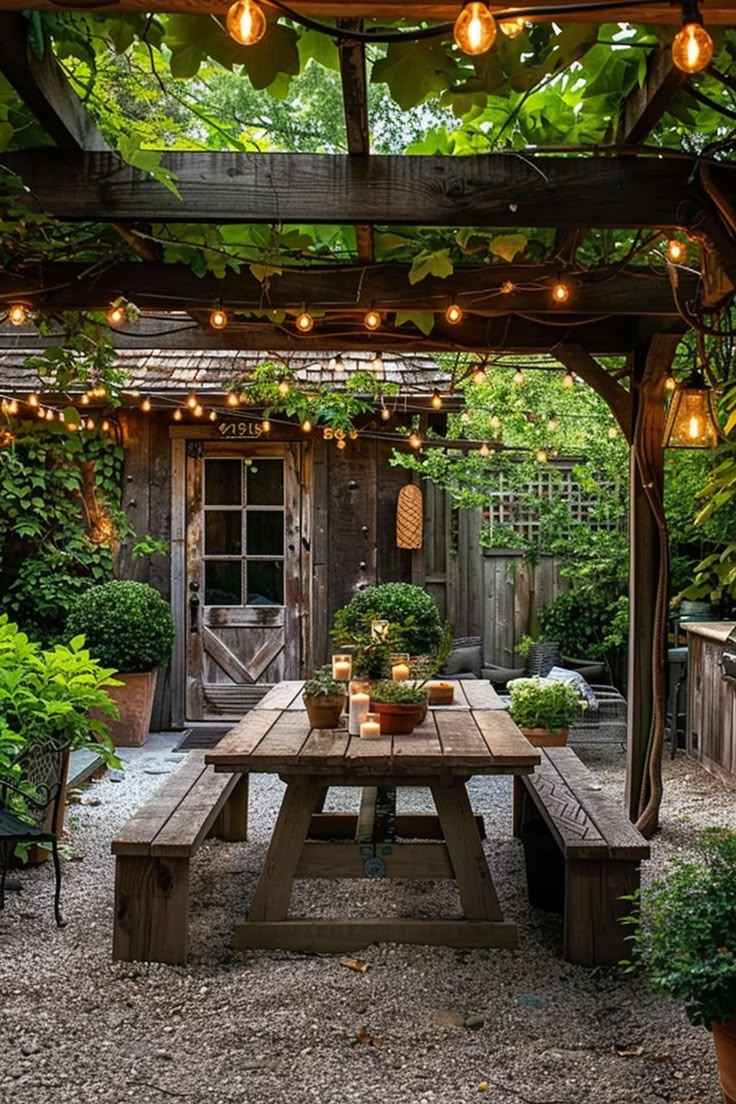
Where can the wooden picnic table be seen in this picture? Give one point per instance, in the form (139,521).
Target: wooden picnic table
(474,736)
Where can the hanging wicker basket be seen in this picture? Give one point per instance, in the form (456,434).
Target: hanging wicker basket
(409,517)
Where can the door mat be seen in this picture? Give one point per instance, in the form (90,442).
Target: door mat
(195,739)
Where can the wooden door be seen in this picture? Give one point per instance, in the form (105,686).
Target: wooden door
(243,577)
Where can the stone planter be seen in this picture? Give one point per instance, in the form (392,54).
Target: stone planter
(542,737)
(399,720)
(324,710)
(135,701)
(724,1040)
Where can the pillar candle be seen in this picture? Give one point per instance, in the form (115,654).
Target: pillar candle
(370,726)
(400,672)
(342,667)
(359,706)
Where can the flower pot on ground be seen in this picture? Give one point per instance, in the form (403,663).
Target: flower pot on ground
(684,936)
(543,709)
(400,706)
(128,626)
(324,698)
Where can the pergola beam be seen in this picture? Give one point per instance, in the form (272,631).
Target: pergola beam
(501,190)
(355,105)
(158,286)
(646,105)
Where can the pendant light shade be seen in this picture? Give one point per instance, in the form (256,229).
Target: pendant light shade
(691,419)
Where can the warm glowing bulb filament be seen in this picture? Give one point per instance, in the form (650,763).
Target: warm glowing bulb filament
(692,49)
(246,22)
(475,29)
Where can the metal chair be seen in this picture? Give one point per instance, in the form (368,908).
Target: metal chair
(30,810)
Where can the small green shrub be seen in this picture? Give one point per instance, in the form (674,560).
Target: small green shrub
(584,625)
(388,692)
(322,684)
(684,934)
(544,703)
(402,604)
(126,625)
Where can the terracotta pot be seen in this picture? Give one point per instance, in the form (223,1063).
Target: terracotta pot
(542,737)
(724,1040)
(324,710)
(399,720)
(441,693)
(135,702)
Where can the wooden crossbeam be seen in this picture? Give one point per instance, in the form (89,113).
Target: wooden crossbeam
(720,12)
(647,104)
(159,286)
(493,190)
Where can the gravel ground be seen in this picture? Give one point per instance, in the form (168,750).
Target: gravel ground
(423,1024)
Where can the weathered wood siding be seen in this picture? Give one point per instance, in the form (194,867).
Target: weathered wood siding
(711,729)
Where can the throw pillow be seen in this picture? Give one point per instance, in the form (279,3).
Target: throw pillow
(562,674)
(461,660)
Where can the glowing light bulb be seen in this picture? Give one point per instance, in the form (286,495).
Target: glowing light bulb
(246,22)
(218,319)
(232,399)
(670,383)
(454,314)
(676,250)
(50,416)
(552,423)
(475,29)
(415,440)
(518,377)
(353,435)
(341,443)
(146,406)
(178,415)
(694,427)
(495,422)
(283,387)
(692,49)
(41,413)
(541,456)
(85,400)
(436,400)
(212,415)
(484,450)
(192,402)
(13,407)
(105,425)
(507,287)
(466,417)
(18,314)
(560,293)
(612,432)
(479,376)
(115,315)
(372,319)
(568,380)
(89,424)
(198,411)
(307,425)
(33,400)
(385,413)
(512,28)
(304,322)
(265,426)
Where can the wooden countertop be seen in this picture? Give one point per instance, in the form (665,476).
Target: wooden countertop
(709,630)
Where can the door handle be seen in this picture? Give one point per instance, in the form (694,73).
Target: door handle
(194,607)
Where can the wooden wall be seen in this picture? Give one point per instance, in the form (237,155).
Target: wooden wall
(711,726)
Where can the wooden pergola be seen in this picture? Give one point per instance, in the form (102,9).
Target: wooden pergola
(629,311)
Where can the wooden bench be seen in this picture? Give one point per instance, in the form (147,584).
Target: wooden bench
(152,854)
(601,850)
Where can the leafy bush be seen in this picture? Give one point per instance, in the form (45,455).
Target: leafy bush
(586,626)
(401,604)
(127,625)
(322,684)
(388,692)
(685,931)
(544,703)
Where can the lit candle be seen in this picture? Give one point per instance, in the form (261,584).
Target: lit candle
(370,726)
(359,704)
(379,630)
(342,667)
(400,671)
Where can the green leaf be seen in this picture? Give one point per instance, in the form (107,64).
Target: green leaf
(185,62)
(414,70)
(262,271)
(508,245)
(7,133)
(425,263)
(423,320)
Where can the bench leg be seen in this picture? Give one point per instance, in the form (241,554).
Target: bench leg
(232,823)
(593,935)
(151,919)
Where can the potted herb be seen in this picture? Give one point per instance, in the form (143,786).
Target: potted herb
(543,709)
(324,698)
(401,706)
(128,627)
(685,939)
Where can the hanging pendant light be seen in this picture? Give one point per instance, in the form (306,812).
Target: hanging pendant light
(691,419)
(475,29)
(692,49)
(246,22)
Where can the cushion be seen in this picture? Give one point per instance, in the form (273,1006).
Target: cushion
(461,660)
(563,674)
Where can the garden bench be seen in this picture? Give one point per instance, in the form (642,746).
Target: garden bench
(152,853)
(599,853)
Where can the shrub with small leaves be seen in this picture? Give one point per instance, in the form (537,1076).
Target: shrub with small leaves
(544,703)
(127,625)
(402,604)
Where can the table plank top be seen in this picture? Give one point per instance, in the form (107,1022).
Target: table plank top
(461,739)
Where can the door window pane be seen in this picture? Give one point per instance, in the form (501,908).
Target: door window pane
(222,484)
(265,482)
(265,583)
(223,533)
(265,533)
(222,583)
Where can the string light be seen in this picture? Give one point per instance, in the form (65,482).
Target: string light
(283,387)
(552,423)
(568,380)
(454,314)
(479,376)
(265,426)
(436,400)
(466,417)
(377,364)
(336,363)
(218,318)
(115,315)
(232,399)
(560,293)
(512,28)
(541,456)
(385,413)
(475,29)
(105,425)
(192,401)
(41,413)
(18,314)
(85,399)
(304,321)
(246,22)
(612,433)
(198,411)
(212,415)
(507,287)
(178,415)
(495,422)
(307,425)
(676,250)
(90,424)
(670,383)
(484,450)
(353,435)
(692,49)
(33,400)
(146,406)
(415,440)
(341,443)
(372,319)
(518,377)
(13,406)
(50,416)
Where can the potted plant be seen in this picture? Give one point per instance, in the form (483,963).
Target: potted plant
(128,627)
(685,939)
(401,706)
(401,604)
(324,698)
(543,709)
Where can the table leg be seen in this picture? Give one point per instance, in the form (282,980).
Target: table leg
(474,881)
(271,899)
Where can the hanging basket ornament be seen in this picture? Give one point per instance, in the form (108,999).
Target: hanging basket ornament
(409,517)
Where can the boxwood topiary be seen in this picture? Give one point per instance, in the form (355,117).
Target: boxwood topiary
(399,603)
(126,625)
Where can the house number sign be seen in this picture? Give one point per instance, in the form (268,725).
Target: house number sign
(239,430)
